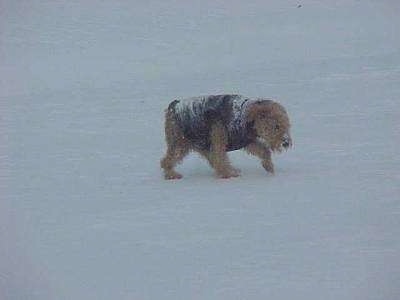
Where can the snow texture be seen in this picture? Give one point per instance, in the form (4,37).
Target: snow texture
(84,211)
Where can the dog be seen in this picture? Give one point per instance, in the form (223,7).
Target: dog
(216,124)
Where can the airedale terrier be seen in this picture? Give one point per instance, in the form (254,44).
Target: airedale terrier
(216,124)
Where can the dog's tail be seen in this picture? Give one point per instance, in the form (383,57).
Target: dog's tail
(170,111)
(171,106)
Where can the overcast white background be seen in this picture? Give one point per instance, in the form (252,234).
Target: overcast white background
(84,211)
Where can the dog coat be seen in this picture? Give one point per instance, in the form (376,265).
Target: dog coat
(195,117)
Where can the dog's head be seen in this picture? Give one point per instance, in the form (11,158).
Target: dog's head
(271,123)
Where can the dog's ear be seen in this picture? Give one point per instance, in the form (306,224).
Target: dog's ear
(260,109)
(263,115)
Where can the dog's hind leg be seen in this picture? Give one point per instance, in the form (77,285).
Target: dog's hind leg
(177,148)
(217,156)
(174,155)
(258,149)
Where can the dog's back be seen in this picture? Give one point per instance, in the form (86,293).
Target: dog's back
(196,115)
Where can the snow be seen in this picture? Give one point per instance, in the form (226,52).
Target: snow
(187,104)
(84,211)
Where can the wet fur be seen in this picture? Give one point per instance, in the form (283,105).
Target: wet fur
(270,124)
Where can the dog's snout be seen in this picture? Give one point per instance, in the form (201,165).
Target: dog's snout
(286,141)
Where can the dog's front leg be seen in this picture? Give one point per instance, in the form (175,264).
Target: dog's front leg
(217,156)
(260,150)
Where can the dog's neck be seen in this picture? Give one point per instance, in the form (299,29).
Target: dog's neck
(251,131)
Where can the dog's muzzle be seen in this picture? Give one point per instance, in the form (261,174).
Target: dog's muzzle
(286,141)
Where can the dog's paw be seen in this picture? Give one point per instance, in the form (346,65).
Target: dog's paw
(234,172)
(172,175)
(229,173)
(268,166)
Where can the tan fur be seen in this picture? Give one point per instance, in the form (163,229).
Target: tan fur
(266,116)
(261,151)
(217,157)
(271,123)
(177,147)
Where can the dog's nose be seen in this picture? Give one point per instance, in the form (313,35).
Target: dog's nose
(286,141)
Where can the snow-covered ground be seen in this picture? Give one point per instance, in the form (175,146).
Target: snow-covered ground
(84,211)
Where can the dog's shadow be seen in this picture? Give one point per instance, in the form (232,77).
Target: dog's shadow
(195,167)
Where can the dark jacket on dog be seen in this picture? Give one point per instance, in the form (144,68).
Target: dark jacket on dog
(195,117)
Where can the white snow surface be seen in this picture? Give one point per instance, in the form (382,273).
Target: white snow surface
(84,210)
